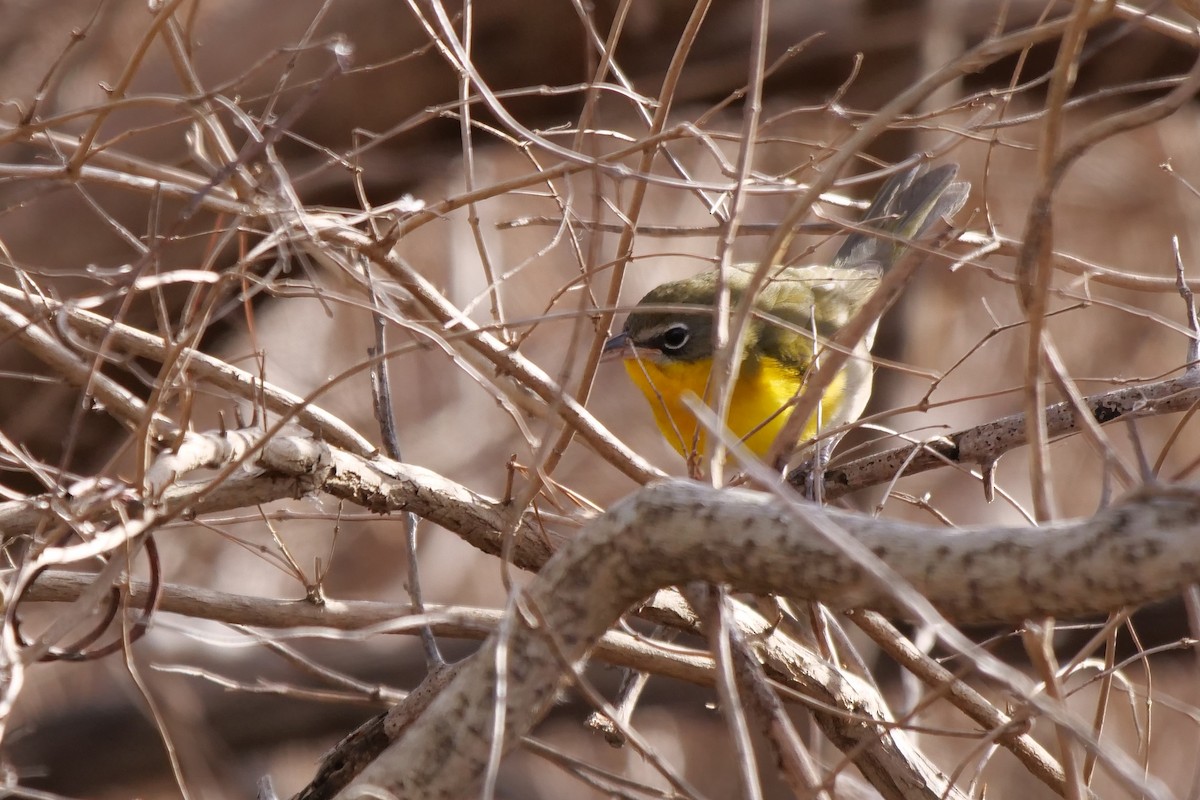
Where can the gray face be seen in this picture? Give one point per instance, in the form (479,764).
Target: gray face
(675,320)
(677,335)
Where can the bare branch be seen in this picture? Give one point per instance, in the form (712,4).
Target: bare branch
(984,444)
(1143,550)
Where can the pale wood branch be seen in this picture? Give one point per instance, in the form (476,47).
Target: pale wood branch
(988,574)
(852,715)
(1145,549)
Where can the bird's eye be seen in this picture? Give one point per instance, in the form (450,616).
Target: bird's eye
(675,337)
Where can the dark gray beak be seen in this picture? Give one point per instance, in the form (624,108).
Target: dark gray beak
(617,347)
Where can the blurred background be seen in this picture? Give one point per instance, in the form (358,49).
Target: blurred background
(387,124)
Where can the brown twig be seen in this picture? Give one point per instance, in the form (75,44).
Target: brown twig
(984,444)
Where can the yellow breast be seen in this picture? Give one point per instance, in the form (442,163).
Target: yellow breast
(757,411)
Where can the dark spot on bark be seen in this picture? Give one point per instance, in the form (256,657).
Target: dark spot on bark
(1105,413)
(837,478)
(1150,549)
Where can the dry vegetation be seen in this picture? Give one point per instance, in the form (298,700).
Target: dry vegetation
(300,312)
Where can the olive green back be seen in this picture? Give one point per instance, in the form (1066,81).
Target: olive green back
(806,300)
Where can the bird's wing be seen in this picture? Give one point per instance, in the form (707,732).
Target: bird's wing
(798,302)
(817,297)
(905,208)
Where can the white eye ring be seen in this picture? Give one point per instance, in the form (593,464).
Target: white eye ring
(676,337)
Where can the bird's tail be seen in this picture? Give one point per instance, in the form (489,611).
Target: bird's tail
(905,208)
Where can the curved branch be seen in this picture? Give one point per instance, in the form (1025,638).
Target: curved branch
(677,532)
(1146,549)
(292,466)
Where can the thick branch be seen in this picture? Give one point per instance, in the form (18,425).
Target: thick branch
(1143,550)
(678,532)
(297,465)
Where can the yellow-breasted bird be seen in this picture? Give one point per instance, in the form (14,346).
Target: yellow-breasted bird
(667,342)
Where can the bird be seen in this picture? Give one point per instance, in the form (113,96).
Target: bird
(667,341)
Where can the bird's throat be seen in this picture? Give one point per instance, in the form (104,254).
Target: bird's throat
(757,411)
